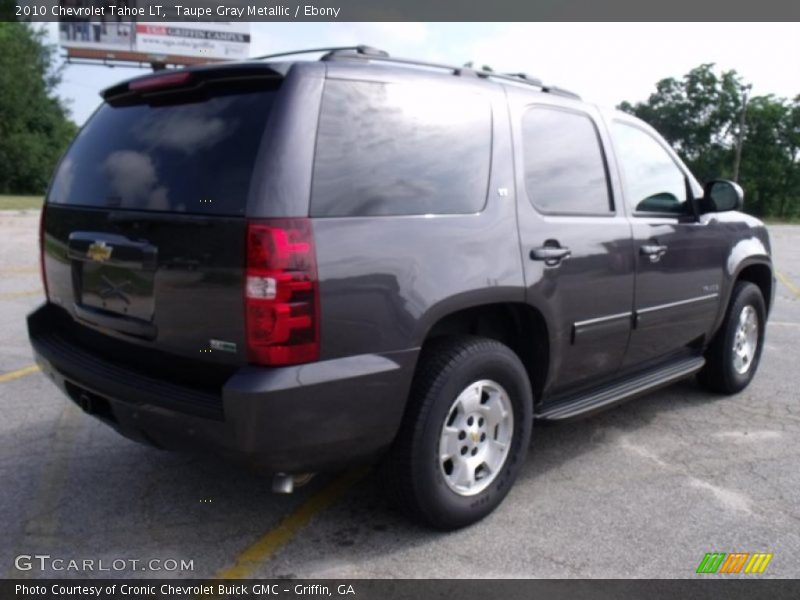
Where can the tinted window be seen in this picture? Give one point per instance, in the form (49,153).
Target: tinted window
(399,149)
(194,158)
(653,182)
(564,166)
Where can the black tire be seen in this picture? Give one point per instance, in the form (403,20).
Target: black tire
(719,373)
(412,473)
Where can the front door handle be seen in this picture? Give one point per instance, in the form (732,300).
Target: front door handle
(551,255)
(654,251)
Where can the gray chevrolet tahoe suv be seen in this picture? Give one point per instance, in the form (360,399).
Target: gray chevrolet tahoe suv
(319,263)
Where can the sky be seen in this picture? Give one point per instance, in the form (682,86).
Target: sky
(604,62)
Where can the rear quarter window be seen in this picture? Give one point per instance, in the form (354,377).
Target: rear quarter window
(195,157)
(400,149)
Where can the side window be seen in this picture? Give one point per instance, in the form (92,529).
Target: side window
(565,170)
(400,149)
(653,182)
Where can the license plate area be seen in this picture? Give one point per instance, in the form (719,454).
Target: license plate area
(119,290)
(113,274)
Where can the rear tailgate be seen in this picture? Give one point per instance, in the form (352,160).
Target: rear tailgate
(145,223)
(174,284)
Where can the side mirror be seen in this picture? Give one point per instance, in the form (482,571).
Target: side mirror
(721,195)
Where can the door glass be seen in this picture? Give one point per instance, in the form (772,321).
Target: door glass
(565,170)
(653,182)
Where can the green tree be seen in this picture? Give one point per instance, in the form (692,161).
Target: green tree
(700,116)
(769,165)
(34,124)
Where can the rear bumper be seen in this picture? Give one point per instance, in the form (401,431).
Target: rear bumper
(291,419)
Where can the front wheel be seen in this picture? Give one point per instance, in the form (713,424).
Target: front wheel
(465,434)
(733,356)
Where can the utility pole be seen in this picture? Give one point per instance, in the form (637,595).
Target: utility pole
(737,161)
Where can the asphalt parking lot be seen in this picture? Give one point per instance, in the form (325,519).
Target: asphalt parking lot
(644,490)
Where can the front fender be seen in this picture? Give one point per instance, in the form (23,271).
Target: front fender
(745,253)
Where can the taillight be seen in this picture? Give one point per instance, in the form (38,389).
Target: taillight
(42,249)
(281,292)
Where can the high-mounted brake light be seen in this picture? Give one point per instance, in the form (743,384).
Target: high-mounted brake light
(281,292)
(156,82)
(42,250)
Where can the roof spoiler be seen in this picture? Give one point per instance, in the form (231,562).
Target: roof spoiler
(161,83)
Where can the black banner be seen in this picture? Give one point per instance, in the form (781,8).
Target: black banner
(404,10)
(737,588)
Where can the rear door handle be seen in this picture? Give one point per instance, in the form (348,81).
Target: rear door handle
(551,255)
(654,251)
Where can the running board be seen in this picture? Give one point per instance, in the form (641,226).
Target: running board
(606,396)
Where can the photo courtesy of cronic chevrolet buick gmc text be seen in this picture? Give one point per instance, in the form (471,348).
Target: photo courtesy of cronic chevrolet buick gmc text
(312,264)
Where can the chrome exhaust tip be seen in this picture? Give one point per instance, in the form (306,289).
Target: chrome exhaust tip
(285,484)
(282,483)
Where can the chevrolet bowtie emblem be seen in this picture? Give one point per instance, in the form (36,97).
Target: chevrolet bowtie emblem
(474,437)
(99,251)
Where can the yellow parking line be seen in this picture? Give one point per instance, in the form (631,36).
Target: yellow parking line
(19,373)
(263,549)
(785,281)
(33,269)
(12,295)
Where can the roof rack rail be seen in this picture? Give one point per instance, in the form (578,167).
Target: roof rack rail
(384,56)
(330,51)
(523,78)
(380,55)
(360,50)
(559,91)
(526,77)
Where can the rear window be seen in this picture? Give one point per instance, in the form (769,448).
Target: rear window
(194,157)
(400,149)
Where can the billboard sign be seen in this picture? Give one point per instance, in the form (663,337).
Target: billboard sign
(110,38)
(223,41)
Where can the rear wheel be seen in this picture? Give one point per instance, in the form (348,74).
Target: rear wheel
(733,356)
(465,434)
